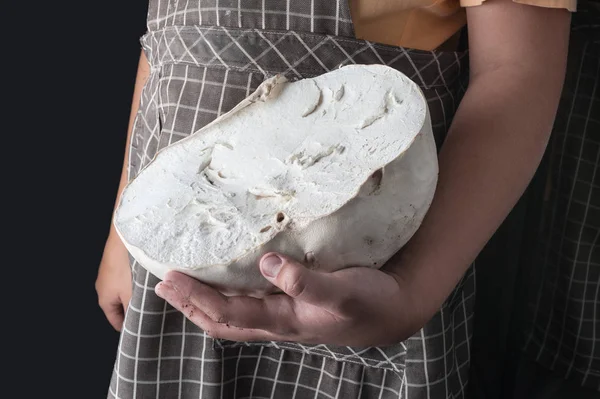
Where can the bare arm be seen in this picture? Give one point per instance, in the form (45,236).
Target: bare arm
(113,284)
(499,134)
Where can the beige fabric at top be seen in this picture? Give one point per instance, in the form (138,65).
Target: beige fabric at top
(421,24)
(570,5)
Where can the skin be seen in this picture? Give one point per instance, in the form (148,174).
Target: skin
(498,136)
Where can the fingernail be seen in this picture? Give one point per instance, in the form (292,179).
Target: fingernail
(271,265)
(162,288)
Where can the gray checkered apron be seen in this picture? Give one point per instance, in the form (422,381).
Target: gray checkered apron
(562,321)
(205,57)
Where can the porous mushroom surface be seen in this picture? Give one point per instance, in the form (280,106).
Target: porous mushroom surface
(337,170)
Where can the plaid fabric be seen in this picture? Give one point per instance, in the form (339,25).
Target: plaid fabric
(199,72)
(329,17)
(563,333)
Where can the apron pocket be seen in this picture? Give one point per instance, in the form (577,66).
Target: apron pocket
(390,357)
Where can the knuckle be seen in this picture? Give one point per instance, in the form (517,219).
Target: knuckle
(219,317)
(296,286)
(103,303)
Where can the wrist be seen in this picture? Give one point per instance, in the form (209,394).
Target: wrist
(427,275)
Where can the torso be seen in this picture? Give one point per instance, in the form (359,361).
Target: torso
(204,60)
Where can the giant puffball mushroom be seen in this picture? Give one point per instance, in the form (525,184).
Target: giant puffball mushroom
(334,171)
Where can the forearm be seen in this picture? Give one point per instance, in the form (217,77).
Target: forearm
(494,146)
(517,63)
(142,75)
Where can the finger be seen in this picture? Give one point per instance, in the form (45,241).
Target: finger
(299,282)
(126,296)
(124,305)
(216,330)
(275,314)
(114,314)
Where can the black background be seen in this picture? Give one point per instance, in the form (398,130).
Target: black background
(68,71)
(105,109)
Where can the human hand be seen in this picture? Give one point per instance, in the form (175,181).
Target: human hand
(113,283)
(357,306)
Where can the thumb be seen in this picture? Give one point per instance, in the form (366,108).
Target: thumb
(296,280)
